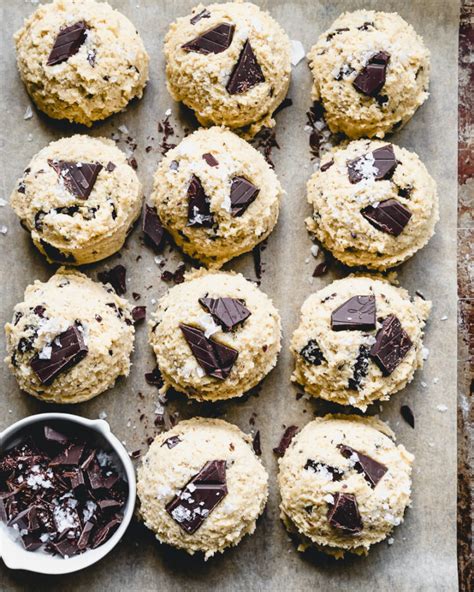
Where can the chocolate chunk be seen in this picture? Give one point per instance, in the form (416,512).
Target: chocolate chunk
(199,213)
(138,313)
(110,166)
(216,359)
(357,313)
(55,254)
(360,369)
(256,444)
(242,194)
(286,439)
(200,15)
(382,168)
(65,547)
(215,40)
(327,165)
(39,310)
(105,532)
(371,78)
(67,350)
(405,192)
(68,42)
(153,231)
(332,34)
(344,514)
(391,346)
(211,161)
(83,541)
(199,497)
(246,73)
(372,470)
(316,466)
(78,177)
(227,312)
(116,277)
(321,268)
(154,377)
(390,216)
(172,441)
(70,456)
(407,414)
(312,354)
(31,542)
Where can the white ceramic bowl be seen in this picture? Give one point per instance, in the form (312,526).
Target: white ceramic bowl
(14,555)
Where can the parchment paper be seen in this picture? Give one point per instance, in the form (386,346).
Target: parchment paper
(423,554)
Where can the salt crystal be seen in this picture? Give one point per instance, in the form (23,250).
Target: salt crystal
(28,113)
(441,408)
(297,52)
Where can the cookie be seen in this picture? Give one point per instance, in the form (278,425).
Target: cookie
(215,336)
(371,73)
(359,341)
(374,204)
(216,195)
(344,484)
(78,198)
(81,60)
(70,338)
(201,486)
(230,63)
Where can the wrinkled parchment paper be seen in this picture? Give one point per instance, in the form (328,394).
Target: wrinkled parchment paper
(423,553)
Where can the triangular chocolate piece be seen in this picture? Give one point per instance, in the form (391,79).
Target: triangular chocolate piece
(199,212)
(372,470)
(215,40)
(344,514)
(199,497)
(152,228)
(390,216)
(371,78)
(68,43)
(357,313)
(67,350)
(78,177)
(384,164)
(216,359)
(227,312)
(242,194)
(246,73)
(392,344)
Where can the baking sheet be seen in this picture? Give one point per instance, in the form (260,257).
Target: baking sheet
(423,554)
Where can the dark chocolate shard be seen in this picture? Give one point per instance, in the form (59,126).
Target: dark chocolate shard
(68,42)
(390,216)
(116,277)
(154,377)
(356,314)
(215,40)
(242,194)
(110,166)
(138,314)
(247,72)
(407,414)
(312,354)
(211,160)
(172,441)
(67,350)
(371,79)
(200,15)
(286,439)
(105,532)
(372,470)
(257,444)
(83,541)
(153,231)
(327,165)
(344,514)
(360,370)
(216,359)
(78,177)
(199,212)
(392,344)
(227,312)
(382,168)
(55,254)
(321,268)
(199,497)
(65,547)
(317,466)
(70,456)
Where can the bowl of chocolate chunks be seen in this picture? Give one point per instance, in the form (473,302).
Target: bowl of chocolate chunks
(67,493)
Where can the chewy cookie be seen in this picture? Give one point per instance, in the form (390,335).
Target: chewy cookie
(81,60)
(201,486)
(78,198)
(70,338)
(344,484)
(216,195)
(374,204)
(230,63)
(359,340)
(371,73)
(215,336)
